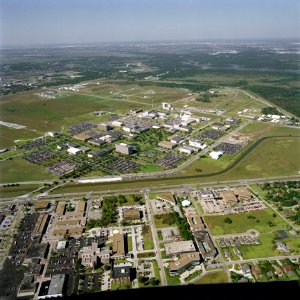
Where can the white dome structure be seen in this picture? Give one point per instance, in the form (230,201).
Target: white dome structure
(185,203)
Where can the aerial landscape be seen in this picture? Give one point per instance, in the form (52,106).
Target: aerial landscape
(161,162)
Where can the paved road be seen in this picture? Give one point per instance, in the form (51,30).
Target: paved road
(156,243)
(162,188)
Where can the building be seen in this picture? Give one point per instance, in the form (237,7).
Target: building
(216,126)
(185,150)
(179,247)
(206,247)
(52,134)
(56,287)
(166,106)
(166,197)
(41,205)
(185,261)
(177,139)
(104,127)
(124,149)
(123,273)
(166,145)
(131,214)
(228,197)
(118,246)
(195,222)
(197,143)
(73,150)
(243,194)
(216,154)
(90,255)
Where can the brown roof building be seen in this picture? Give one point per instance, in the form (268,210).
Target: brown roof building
(242,193)
(41,223)
(166,197)
(185,261)
(195,222)
(228,197)
(131,214)
(118,246)
(166,145)
(60,209)
(41,204)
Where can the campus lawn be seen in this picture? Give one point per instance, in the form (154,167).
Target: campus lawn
(267,248)
(241,222)
(148,240)
(159,223)
(218,277)
(171,280)
(129,243)
(9,192)
(18,170)
(150,168)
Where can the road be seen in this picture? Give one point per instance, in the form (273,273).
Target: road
(160,188)
(156,243)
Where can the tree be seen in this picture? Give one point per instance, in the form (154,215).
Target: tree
(227,220)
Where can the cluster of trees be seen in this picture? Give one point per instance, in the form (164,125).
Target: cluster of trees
(146,281)
(109,214)
(284,198)
(270,111)
(227,220)
(206,97)
(11,184)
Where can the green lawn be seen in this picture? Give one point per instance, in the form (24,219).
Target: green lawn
(18,170)
(219,277)
(9,192)
(148,240)
(129,243)
(267,248)
(241,222)
(156,271)
(9,135)
(150,168)
(171,280)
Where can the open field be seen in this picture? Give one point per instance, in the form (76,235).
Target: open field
(9,192)
(9,135)
(218,277)
(241,222)
(18,170)
(264,222)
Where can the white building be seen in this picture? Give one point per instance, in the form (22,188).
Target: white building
(197,143)
(166,106)
(216,154)
(124,149)
(73,150)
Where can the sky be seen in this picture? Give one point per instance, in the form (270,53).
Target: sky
(28,22)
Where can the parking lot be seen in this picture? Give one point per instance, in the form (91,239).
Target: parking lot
(169,160)
(229,148)
(123,165)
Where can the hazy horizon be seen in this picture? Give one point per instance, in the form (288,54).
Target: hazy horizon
(33,22)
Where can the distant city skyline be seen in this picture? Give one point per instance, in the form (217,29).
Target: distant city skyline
(91,21)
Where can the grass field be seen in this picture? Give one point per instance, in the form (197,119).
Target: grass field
(129,243)
(219,277)
(18,170)
(9,192)
(261,222)
(171,280)
(9,135)
(148,240)
(241,222)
